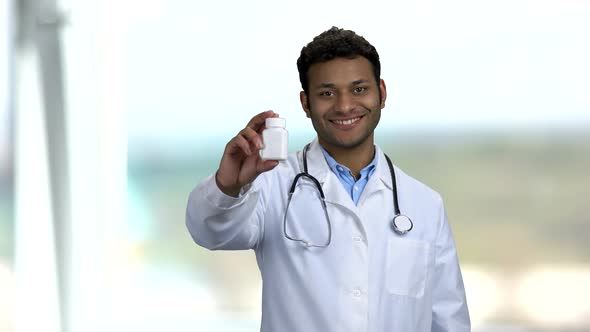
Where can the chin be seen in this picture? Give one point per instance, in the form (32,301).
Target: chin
(346,143)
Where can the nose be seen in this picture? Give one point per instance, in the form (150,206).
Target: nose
(345,102)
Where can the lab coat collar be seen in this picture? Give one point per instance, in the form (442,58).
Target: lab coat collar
(316,162)
(318,167)
(333,189)
(382,171)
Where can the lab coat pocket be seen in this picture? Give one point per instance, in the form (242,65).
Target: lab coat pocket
(407,266)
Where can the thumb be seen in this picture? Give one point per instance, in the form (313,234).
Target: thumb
(265,165)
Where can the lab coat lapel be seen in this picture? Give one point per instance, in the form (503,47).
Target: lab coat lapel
(336,194)
(333,190)
(381,178)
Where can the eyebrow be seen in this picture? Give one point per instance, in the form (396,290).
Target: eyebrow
(326,85)
(332,85)
(357,82)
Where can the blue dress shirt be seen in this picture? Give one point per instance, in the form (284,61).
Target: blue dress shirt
(352,186)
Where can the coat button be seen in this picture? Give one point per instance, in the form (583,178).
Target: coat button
(356,292)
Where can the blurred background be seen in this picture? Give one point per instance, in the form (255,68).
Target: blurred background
(112,111)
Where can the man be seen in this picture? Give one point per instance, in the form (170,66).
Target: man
(350,268)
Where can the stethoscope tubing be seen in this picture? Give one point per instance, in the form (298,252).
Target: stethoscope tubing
(305,174)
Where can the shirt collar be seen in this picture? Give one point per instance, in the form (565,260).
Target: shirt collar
(338,168)
(318,166)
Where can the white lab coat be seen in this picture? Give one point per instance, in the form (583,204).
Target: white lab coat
(368,279)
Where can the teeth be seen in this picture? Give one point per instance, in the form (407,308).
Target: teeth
(346,122)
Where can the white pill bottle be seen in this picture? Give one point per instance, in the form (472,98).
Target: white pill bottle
(275,139)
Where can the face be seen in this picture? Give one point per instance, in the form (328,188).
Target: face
(344,103)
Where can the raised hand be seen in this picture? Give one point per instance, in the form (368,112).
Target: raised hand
(241,162)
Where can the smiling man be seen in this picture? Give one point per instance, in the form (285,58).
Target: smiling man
(366,247)
(346,98)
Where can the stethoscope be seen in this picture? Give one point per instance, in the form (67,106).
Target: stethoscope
(401,223)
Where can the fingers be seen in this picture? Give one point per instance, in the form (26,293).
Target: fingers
(257,122)
(247,140)
(252,137)
(241,142)
(241,163)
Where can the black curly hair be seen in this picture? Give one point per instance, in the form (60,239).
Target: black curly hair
(336,43)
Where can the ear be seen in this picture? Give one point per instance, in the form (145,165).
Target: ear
(304,103)
(383,90)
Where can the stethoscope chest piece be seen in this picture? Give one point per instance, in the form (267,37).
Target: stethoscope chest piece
(402,224)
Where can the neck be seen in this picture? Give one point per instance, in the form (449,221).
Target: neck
(355,158)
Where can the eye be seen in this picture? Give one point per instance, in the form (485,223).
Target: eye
(326,93)
(359,90)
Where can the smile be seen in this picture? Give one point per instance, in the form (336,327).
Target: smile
(346,122)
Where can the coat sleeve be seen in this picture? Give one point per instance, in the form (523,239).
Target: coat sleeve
(220,222)
(449,306)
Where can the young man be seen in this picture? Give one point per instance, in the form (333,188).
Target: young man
(346,265)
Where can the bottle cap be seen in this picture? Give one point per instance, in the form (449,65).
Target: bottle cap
(275,122)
